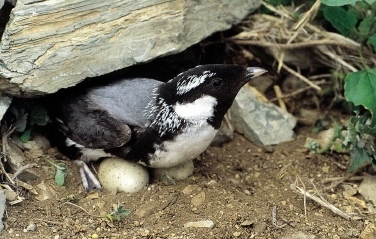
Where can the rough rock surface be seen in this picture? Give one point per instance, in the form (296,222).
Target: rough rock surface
(261,123)
(48,45)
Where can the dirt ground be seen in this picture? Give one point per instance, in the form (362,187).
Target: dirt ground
(236,186)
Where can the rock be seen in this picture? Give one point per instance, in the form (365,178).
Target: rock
(300,235)
(189,189)
(369,232)
(146,209)
(49,45)
(38,142)
(367,189)
(4,101)
(237,234)
(2,209)
(247,223)
(349,190)
(261,123)
(198,199)
(259,227)
(31,227)
(204,223)
(15,155)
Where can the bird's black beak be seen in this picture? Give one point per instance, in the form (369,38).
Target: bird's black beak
(253,72)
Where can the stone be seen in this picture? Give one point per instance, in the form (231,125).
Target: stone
(261,123)
(204,223)
(300,235)
(198,199)
(367,189)
(147,209)
(2,209)
(4,102)
(369,232)
(49,45)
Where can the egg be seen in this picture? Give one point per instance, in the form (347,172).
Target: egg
(117,174)
(180,172)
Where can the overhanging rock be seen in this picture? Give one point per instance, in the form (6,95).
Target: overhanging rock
(53,44)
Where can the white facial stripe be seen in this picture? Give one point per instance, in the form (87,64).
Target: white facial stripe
(200,109)
(192,82)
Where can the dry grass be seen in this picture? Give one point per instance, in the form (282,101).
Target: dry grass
(297,43)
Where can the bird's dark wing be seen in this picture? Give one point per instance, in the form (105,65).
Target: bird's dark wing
(89,125)
(101,118)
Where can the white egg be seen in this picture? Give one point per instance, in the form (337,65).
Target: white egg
(117,174)
(180,172)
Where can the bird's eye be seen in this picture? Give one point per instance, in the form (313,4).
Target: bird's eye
(216,82)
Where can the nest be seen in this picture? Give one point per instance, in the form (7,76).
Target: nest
(298,43)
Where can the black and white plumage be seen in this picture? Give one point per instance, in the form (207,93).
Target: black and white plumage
(153,123)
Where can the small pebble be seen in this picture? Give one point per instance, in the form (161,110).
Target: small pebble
(145,233)
(204,223)
(237,234)
(94,236)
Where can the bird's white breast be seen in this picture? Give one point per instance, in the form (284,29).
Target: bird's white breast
(184,147)
(194,139)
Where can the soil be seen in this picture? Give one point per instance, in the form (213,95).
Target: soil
(236,186)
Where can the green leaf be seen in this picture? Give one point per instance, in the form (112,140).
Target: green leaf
(25,137)
(38,116)
(341,20)
(338,3)
(60,177)
(372,41)
(360,88)
(366,26)
(359,157)
(61,172)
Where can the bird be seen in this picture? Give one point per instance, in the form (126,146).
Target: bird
(153,123)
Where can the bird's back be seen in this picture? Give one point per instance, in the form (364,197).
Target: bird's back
(126,100)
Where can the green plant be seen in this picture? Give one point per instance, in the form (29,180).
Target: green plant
(61,172)
(360,89)
(357,20)
(353,19)
(38,117)
(117,213)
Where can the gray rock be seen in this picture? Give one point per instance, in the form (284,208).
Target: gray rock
(261,123)
(49,45)
(4,105)
(2,209)
(367,189)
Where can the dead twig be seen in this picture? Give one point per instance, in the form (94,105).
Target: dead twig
(23,168)
(274,218)
(321,201)
(83,209)
(279,95)
(343,179)
(50,222)
(303,78)
(3,153)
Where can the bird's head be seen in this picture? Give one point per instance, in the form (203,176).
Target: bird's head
(206,92)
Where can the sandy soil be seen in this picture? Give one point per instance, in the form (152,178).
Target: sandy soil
(235,186)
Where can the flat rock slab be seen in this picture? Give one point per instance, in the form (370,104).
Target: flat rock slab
(53,44)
